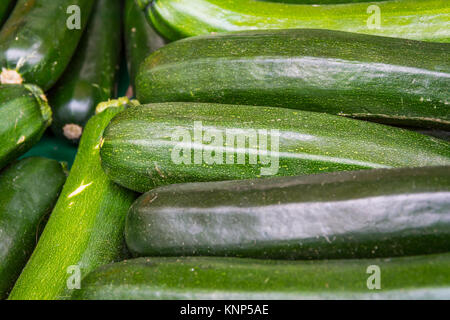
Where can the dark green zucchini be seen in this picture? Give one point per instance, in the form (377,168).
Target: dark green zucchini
(28,191)
(361,76)
(5,9)
(409,19)
(24,116)
(418,277)
(36,43)
(159,144)
(358,214)
(90,76)
(85,229)
(140,38)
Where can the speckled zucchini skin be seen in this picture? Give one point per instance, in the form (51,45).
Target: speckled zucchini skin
(176,19)
(140,38)
(28,191)
(36,42)
(361,76)
(358,214)
(90,76)
(138,145)
(24,115)
(86,226)
(418,277)
(5,9)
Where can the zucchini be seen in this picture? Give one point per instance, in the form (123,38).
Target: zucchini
(316,1)
(5,9)
(90,76)
(159,144)
(360,214)
(140,38)
(176,19)
(85,229)
(24,114)
(418,277)
(28,190)
(361,76)
(36,43)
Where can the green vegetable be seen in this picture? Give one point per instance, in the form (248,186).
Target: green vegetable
(410,19)
(90,76)
(140,38)
(159,144)
(85,230)
(359,214)
(317,1)
(24,116)
(419,277)
(360,76)
(28,191)
(39,39)
(5,9)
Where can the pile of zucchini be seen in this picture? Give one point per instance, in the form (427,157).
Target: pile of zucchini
(282,149)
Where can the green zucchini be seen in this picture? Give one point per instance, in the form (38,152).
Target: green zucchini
(28,191)
(359,214)
(24,116)
(361,76)
(159,144)
(418,277)
(410,19)
(90,76)
(317,1)
(36,43)
(140,38)
(5,9)
(85,229)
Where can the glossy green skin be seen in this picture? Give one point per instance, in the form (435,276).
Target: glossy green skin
(90,77)
(5,9)
(176,19)
(37,42)
(24,115)
(138,151)
(315,1)
(418,277)
(28,191)
(362,76)
(358,214)
(86,226)
(140,38)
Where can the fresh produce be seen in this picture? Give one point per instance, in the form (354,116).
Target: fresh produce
(418,277)
(28,190)
(159,144)
(39,39)
(359,214)
(410,19)
(24,116)
(90,76)
(85,230)
(355,75)
(5,8)
(317,1)
(140,38)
